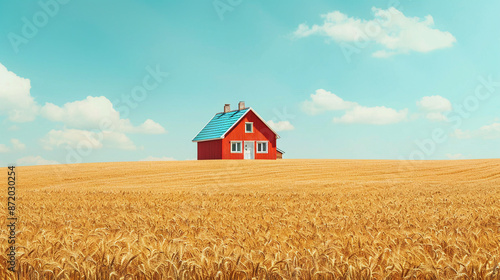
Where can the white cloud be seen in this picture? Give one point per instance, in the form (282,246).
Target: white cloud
(281,125)
(434,107)
(4,148)
(151,158)
(390,29)
(461,134)
(84,139)
(148,127)
(71,138)
(17,145)
(35,160)
(378,115)
(118,140)
(84,114)
(96,113)
(15,99)
(434,103)
(436,116)
(455,156)
(324,100)
(491,131)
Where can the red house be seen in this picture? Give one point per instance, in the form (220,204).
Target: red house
(237,134)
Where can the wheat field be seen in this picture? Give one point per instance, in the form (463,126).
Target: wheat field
(283,219)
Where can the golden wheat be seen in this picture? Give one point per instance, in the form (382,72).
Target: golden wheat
(287,219)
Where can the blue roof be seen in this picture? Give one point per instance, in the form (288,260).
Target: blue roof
(219,125)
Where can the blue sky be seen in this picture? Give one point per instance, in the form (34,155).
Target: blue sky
(86,81)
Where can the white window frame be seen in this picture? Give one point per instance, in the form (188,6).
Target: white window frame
(257,147)
(246,131)
(241,147)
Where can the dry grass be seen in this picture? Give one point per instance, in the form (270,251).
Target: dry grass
(288,219)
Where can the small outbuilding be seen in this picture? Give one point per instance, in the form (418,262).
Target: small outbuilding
(237,134)
(279,153)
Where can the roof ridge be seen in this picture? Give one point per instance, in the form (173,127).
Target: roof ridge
(233,110)
(222,122)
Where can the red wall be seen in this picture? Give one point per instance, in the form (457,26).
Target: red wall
(210,149)
(260,133)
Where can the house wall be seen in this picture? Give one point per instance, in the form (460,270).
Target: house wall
(260,133)
(210,149)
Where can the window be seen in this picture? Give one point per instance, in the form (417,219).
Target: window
(262,147)
(235,146)
(248,127)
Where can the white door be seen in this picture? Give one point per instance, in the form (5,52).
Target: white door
(249,150)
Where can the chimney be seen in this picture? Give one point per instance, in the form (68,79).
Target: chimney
(227,108)
(241,105)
